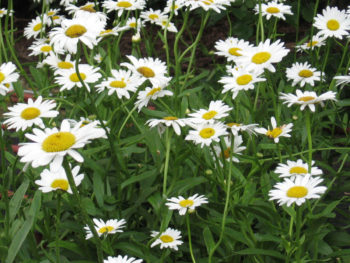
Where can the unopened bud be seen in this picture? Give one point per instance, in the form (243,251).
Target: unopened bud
(136,38)
(295,117)
(208,172)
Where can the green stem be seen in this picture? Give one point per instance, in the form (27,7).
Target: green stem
(298,226)
(309,138)
(260,26)
(83,212)
(125,121)
(189,237)
(58,219)
(165,37)
(167,157)
(298,22)
(325,60)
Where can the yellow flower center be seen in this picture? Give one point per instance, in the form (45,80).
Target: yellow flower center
(297,192)
(2,77)
(333,24)
(50,13)
(234,51)
(153,16)
(55,17)
(37,27)
(306,98)
(166,238)
(305,73)
(206,133)
(88,8)
(30,113)
(132,24)
(272,10)
(209,115)
(186,203)
(298,170)
(311,44)
(74,77)
(226,153)
(124,4)
(2,11)
(117,84)
(244,79)
(46,48)
(274,133)
(170,118)
(261,57)
(233,124)
(153,91)
(146,72)
(208,2)
(60,184)
(104,32)
(65,65)
(58,142)
(75,31)
(106,229)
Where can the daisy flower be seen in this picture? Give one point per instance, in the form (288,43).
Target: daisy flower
(332,23)
(292,169)
(98,58)
(306,98)
(68,78)
(35,27)
(178,4)
(317,41)
(51,145)
(151,94)
(123,5)
(147,68)
(152,16)
(175,122)
(237,127)
(84,28)
(206,133)
(274,9)
(183,205)
(303,73)
(120,259)
(216,5)
(166,24)
(97,132)
(109,32)
(87,7)
(24,115)
(231,48)
(263,55)
(52,180)
(7,76)
(276,132)
(342,80)
(169,238)
(111,226)
(241,78)
(58,64)
(66,2)
(53,18)
(43,47)
(225,154)
(217,110)
(4,12)
(122,82)
(132,23)
(297,190)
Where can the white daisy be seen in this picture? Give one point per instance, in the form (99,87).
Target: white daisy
(217,110)
(4,12)
(231,47)
(7,76)
(123,5)
(332,23)
(111,226)
(151,94)
(183,205)
(206,133)
(175,122)
(56,63)
(97,132)
(84,28)
(153,16)
(241,78)
(24,115)
(274,9)
(216,5)
(98,58)
(237,127)
(178,4)
(292,169)
(121,259)
(317,41)
(303,73)
(307,98)
(166,24)
(297,190)
(43,47)
(52,180)
(225,154)
(68,78)
(342,80)
(66,2)
(53,18)
(132,23)
(276,132)
(148,68)
(51,145)
(169,238)
(263,55)
(35,27)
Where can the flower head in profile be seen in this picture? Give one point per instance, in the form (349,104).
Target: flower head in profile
(276,131)
(152,16)
(317,41)
(167,121)
(307,99)
(303,73)
(239,127)
(121,259)
(24,115)
(227,152)
(231,48)
(169,238)
(7,76)
(52,180)
(332,23)
(121,6)
(56,63)
(111,226)
(292,169)
(217,110)
(4,12)
(186,204)
(43,47)
(342,80)
(298,190)
(206,133)
(274,9)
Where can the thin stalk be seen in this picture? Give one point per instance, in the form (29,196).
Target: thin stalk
(260,26)
(298,226)
(298,22)
(325,60)
(166,165)
(165,36)
(309,138)
(125,121)
(189,237)
(83,212)
(58,221)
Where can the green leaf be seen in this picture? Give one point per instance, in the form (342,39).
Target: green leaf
(16,200)
(139,178)
(258,251)
(208,239)
(98,188)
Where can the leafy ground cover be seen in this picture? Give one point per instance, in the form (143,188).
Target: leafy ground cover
(177,131)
